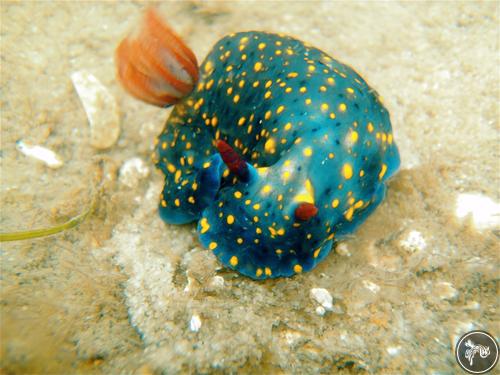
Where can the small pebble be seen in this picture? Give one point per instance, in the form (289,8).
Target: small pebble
(217,282)
(323,297)
(371,286)
(195,323)
(414,242)
(393,350)
(49,157)
(132,171)
(445,290)
(320,310)
(101,109)
(343,250)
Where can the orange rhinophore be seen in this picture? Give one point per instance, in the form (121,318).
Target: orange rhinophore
(154,64)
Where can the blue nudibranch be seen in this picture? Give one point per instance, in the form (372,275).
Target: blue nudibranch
(278,150)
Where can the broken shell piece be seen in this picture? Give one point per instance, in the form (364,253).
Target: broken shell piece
(49,157)
(323,297)
(195,323)
(101,109)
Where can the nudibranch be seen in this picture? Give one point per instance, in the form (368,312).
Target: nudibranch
(276,149)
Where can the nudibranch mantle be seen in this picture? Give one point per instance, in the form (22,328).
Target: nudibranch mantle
(314,139)
(312,130)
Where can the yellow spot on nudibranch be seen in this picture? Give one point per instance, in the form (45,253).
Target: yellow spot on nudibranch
(316,252)
(239,240)
(258,66)
(342,107)
(297,268)
(262,46)
(285,176)
(382,171)
(306,195)
(236,98)
(234,261)
(307,151)
(258,273)
(280,109)
(177,176)
(208,67)
(256,206)
(266,189)
(204,225)
(270,146)
(288,126)
(237,194)
(177,202)
(230,219)
(370,127)
(354,136)
(212,245)
(267,271)
(335,203)
(348,214)
(347,171)
(171,168)
(324,107)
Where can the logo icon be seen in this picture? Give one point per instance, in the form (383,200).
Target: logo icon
(477,352)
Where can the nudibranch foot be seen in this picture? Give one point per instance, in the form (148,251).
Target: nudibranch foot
(154,64)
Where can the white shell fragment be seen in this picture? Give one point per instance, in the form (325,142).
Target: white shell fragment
(49,157)
(323,297)
(195,323)
(101,109)
(485,212)
(132,171)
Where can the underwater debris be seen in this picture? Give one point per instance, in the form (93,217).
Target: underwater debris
(44,232)
(101,109)
(49,157)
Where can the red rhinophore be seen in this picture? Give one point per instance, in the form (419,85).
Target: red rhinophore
(154,64)
(234,162)
(305,211)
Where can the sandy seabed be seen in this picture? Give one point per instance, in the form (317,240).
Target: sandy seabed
(125,293)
